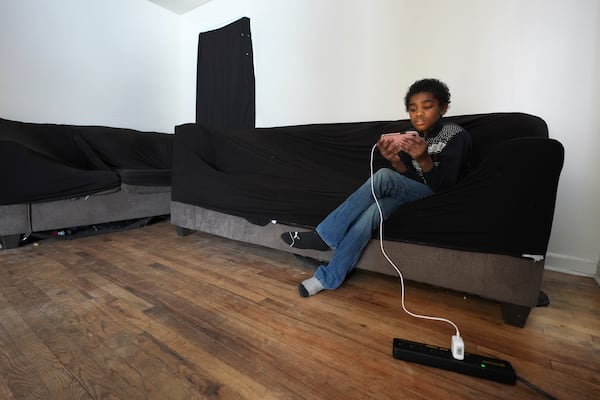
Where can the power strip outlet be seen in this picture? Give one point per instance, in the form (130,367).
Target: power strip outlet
(440,357)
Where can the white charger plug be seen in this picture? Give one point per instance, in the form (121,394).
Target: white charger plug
(458,347)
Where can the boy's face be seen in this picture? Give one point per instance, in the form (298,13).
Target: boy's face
(425,111)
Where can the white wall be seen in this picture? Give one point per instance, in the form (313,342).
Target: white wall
(350,60)
(108,62)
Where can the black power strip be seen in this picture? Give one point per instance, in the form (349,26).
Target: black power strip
(440,357)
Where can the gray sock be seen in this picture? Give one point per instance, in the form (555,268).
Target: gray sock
(310,287)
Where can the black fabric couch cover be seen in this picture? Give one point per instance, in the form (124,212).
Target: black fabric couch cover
(43,162)
(296,175)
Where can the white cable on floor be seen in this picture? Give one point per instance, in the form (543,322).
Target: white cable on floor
(394,265)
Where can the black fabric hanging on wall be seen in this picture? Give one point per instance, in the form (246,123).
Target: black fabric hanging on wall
(225,86)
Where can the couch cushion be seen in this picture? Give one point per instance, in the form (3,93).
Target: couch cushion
(489,130)
(129,149)
(51,140)
(29,176)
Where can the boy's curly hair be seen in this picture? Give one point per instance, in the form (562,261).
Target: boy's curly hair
(437,88)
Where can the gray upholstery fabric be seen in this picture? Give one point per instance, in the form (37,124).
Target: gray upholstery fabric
(15,219)
(96,209)
(501,278)
(129,203)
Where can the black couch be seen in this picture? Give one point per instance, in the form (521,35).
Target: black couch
(486,236)
(65,176)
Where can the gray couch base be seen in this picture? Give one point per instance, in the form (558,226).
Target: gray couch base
(513,281)
(22,219)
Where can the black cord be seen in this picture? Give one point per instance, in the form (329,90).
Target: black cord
(537,389)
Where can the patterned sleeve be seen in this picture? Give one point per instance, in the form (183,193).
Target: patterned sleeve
(450,151)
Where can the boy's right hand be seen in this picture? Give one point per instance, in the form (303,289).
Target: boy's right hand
(389,146)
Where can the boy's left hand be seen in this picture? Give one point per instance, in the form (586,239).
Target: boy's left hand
(414,146)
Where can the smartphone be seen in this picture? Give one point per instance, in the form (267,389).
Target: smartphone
(413,133)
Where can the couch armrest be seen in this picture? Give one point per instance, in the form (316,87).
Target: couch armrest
(505,206)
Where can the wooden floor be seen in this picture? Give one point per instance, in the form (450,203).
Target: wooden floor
(145,314)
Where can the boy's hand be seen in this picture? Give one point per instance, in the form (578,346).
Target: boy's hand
(389,146)
(415,146)
(411,143)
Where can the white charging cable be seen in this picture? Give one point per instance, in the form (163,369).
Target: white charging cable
(457,345)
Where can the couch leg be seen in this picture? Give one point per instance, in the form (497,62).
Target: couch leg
(181,232)
(9,241)
(515,315)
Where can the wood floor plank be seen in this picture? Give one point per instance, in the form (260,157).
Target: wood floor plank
(21,379)
(146,314)
(121,339)
(83,355)
(146,288)
(37,358)
(5,392)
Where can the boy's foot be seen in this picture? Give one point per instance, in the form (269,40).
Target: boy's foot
(310,287)
(305,240)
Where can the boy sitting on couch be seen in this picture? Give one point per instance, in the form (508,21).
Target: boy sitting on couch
(432,159)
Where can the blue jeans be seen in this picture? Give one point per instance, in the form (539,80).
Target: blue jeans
(349,228)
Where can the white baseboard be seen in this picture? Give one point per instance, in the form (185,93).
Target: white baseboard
(572,265)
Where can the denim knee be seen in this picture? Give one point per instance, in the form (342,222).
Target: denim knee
(385,179)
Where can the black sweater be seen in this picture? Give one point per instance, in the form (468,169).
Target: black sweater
(450,149)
